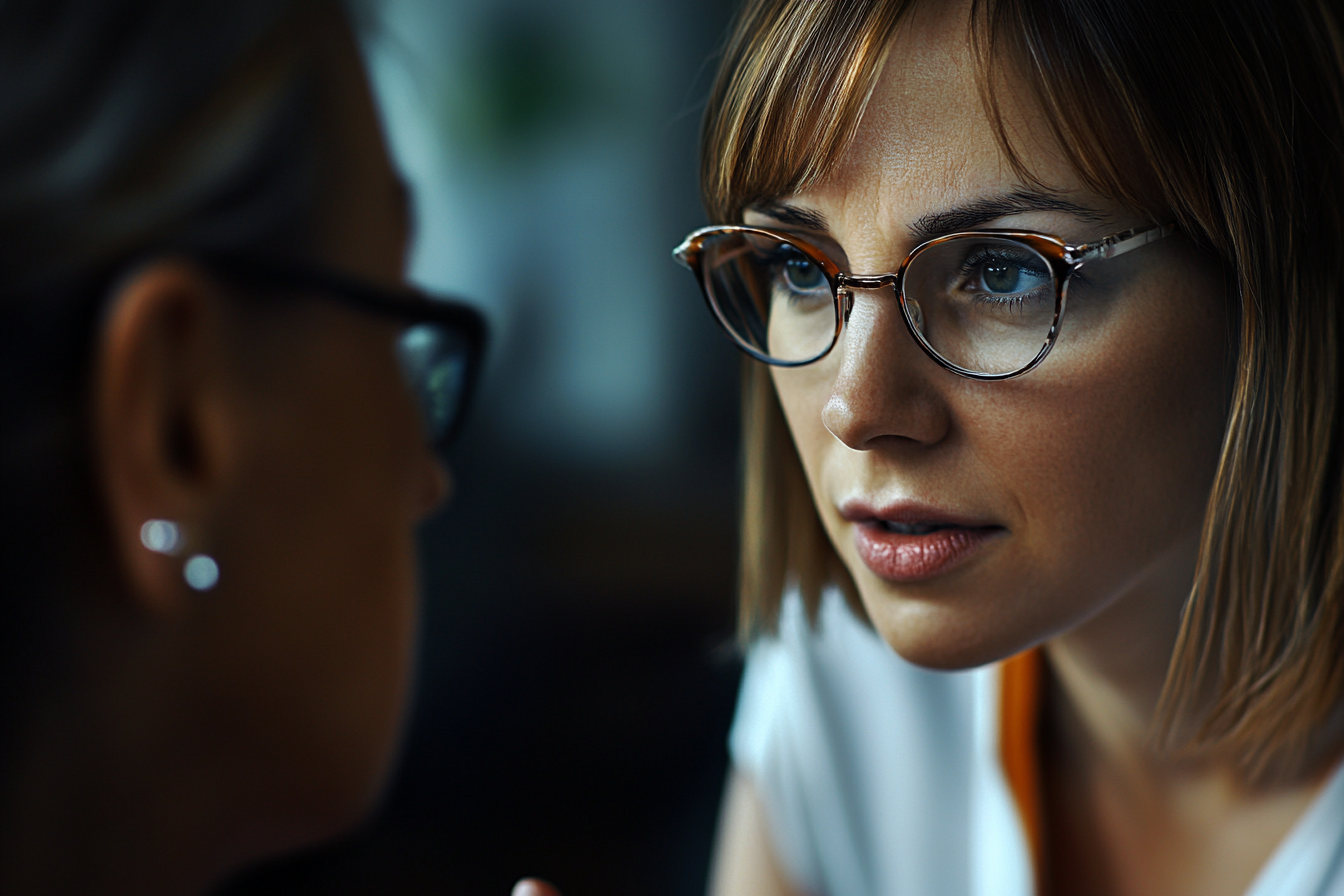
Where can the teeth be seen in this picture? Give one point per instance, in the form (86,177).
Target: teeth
(910,528)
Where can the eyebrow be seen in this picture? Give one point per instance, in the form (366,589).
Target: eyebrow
(982,211)
(788,214)
(953,220)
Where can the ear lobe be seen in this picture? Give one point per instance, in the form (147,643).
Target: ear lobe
(162,419)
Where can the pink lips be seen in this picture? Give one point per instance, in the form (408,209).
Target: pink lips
(940,541)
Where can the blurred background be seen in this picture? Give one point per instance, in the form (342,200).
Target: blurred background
(577,672)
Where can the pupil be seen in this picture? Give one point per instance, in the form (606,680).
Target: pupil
(1001,276)
(802,274)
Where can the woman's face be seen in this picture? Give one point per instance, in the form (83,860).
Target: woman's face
(318,585)
(1077,487)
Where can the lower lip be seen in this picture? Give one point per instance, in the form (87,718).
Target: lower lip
(915,558)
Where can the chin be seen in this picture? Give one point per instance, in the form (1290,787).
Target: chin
(359,782)
(326,803)
(330,775)
(944,632)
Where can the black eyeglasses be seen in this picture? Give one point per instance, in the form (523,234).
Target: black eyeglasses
(440,351)
(985,305)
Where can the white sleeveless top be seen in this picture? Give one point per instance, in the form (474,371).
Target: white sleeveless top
(880,778)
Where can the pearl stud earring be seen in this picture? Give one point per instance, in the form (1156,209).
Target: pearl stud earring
(201,572)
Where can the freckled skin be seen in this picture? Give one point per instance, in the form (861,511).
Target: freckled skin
(1096,466)
(1098,463)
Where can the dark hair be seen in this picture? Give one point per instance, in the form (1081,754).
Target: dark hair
(1226,116)
(128,128)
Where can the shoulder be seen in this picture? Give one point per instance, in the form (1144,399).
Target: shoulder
(1311,858)
(842,681)
(861,759)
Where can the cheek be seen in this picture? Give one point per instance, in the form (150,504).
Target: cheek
(324,564)
(345,477)
(1099,463)
(1105,456)
(1120,435)
(1105,481)
(803,393)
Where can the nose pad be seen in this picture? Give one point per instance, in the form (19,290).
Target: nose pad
(916,315)
(847,302)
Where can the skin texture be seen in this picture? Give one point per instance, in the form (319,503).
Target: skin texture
(192,733)
(1096,466)
(744,860)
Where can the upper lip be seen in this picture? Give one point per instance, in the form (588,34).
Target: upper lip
(909,513)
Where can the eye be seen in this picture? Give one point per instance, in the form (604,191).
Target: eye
(801,274)
(1000,276)
(1003,273)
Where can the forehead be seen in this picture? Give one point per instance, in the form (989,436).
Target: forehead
(925,141)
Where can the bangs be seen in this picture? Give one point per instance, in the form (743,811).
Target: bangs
(797,76)
(1104,82)
(793,84)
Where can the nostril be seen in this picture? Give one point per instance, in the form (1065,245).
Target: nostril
(838,418)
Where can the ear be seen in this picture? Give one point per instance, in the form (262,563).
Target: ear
(163,422)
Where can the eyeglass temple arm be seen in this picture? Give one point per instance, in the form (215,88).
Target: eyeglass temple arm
(1118,243)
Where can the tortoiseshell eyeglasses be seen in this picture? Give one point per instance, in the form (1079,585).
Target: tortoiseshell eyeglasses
(983,304)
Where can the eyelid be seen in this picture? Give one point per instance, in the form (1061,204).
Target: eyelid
(1012,255)
(819,238)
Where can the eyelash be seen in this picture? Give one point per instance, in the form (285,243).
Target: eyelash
(981,256)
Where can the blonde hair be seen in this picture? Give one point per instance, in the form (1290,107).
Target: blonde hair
(1227,117)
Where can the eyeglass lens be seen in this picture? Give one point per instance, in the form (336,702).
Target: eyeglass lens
(435,360)
(981,303)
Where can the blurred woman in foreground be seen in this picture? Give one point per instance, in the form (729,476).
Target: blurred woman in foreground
(219,414)
(1049,298)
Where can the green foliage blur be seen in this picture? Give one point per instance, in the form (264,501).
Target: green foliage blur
(526,77)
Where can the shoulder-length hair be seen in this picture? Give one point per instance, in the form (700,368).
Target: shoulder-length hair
(1226,116)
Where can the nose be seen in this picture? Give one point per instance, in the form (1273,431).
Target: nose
(885,391)
(436,486)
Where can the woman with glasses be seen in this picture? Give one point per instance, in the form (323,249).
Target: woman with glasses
(1043,538)
(221,418)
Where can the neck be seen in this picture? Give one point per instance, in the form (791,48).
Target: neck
(1109,672)
(1123,815)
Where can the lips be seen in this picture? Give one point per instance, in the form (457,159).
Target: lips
(914,543)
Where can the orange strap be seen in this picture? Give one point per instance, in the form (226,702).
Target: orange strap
(1020,681)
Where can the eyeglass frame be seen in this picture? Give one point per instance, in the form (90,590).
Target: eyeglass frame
(405,304)
(1064,259)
